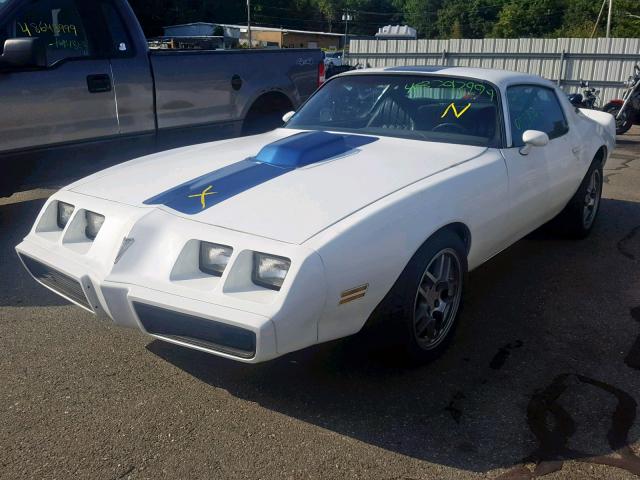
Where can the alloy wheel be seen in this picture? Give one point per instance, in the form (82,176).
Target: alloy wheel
(437,299)
(592,199)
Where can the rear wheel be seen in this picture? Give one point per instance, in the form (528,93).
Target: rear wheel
(425,302)
(579,216)
(624,123)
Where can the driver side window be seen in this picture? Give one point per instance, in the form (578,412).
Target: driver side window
(533,107)
(56,22)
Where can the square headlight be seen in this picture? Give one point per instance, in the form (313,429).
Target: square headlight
(214,258)
(94,224)
(65,210)
(269,271)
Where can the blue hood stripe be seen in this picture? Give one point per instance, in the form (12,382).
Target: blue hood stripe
(273,160)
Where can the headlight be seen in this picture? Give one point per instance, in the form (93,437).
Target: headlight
(214,258)
(94,224)
(65,210)
(269,271)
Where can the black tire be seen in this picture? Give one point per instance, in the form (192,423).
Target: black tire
(574,221)
(622,126)
(266,114)
(11,180)
(401,306)
(261,122)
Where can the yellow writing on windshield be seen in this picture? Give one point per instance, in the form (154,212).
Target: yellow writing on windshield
(457,113)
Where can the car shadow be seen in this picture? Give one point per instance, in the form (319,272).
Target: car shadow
(17,288)
(537,373)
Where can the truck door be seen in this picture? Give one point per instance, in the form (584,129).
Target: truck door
(69,100)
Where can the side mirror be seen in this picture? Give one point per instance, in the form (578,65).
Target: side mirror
(533,138)
(24,52)
(287,116)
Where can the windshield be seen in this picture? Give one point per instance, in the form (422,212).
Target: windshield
(434,108)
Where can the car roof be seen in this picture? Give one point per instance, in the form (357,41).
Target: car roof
(500,78)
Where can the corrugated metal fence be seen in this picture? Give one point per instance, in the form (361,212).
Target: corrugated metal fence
(605,62)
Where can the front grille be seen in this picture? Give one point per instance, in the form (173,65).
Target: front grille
(57,281)
(197,331)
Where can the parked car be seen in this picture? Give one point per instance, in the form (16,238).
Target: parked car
(77,80)
(372,204)
(627,109)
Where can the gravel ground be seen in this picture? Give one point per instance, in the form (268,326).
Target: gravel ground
(544,375)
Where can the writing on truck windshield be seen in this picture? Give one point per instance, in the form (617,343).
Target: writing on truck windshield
(434,108)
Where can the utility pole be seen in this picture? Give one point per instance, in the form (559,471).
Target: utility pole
(249,22)
(609,18)
(346,18)
(595,27)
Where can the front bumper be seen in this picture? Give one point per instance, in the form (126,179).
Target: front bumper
(153,288)
(215,329)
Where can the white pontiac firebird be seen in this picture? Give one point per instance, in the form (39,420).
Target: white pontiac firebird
(372,202)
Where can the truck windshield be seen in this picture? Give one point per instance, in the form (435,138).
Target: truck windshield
(433,108)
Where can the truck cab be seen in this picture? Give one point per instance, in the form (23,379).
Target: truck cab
(79,83)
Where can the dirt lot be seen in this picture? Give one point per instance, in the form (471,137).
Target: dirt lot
(544,374)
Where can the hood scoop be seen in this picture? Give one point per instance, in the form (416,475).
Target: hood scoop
(305,148)
(275,159)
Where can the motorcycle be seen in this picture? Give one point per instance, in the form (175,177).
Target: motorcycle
(627,109)
(589,98)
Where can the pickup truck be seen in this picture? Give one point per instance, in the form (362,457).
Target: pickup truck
(78,82)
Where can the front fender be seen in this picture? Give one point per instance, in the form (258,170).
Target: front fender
(373,246)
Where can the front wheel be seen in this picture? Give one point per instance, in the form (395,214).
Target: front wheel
(624,123)
(426,300)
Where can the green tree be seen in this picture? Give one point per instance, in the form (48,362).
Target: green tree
(421,15)
(432,18)
(529,18)
(474,18)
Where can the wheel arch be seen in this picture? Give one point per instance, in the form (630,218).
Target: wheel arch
(265,104)
(384,308)
(460,229)
(601,154)
(266,98)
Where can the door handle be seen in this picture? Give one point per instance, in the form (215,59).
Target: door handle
(99,83)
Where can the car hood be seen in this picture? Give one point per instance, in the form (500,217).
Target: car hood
(285,185)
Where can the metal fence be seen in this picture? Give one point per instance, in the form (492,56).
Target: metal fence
(605,62)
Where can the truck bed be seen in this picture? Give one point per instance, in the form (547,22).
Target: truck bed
(199,87)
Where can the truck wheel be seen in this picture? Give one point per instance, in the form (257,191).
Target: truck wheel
(622,124)
(11,180)
(266,114)
(14,175)
(425,302)
(262,122)
(579,216)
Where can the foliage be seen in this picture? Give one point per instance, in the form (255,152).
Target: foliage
(432,18)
